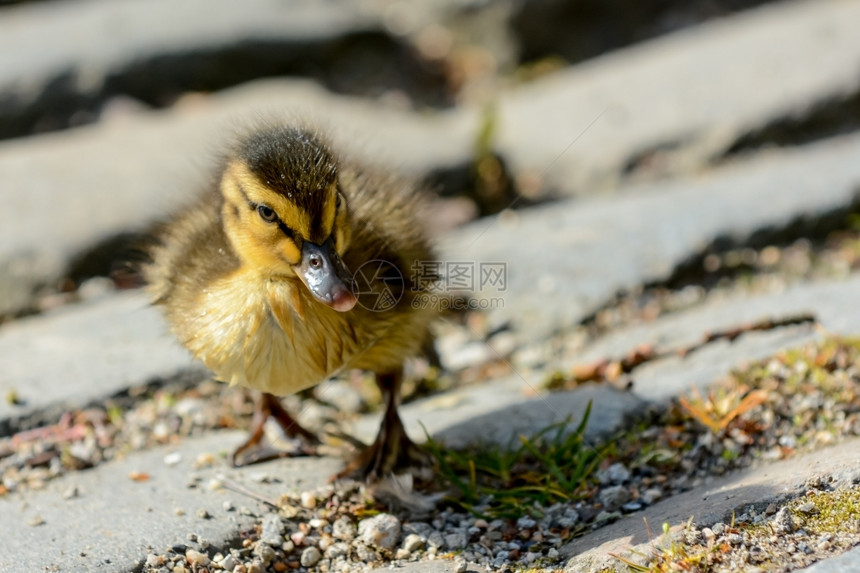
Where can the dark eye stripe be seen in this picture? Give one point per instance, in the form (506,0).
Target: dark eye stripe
(289,233)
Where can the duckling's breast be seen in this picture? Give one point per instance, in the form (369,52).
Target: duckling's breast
(262,334)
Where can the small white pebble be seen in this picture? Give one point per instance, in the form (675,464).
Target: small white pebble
(173,458)
(413,543)
(71,492)
(228,563)
(197,558)
(308,500)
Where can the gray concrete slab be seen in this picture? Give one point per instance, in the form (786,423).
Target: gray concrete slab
(54,56)
(691,94)
(84,353)
(115,521)
(711,503)
(63,193)
(659,380)
(848,562)
(565,259)
(497,412)
(617,243)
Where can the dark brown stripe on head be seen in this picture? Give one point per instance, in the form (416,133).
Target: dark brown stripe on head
(294,163)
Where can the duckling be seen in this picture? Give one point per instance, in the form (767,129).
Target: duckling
(256,279)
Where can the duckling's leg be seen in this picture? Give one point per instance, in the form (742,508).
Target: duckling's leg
(265,406)
(392,451)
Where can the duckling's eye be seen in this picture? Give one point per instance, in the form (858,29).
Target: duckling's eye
(267,213)
(338,201)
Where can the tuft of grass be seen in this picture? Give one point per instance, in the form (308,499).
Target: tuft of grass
(553,465)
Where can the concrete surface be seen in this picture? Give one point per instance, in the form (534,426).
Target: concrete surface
(64,193)
(565,259)
(115,521)
(711,503)
(55,59)
(688,95)
(85,353)
(846,563)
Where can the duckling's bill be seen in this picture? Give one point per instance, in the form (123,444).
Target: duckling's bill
(327,278)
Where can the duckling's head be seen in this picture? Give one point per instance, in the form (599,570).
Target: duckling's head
(284,213)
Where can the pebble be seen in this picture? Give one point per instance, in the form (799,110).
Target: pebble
(228,506)
(196,558)
(460,565)
(265,553)
(228,563)
(456,541)
(616,474)
(783,522)
(273,530)
(526,522)
(614,497)
(605,517)
(364,553)
(435,540)
(382,531)
(36,521)
(173,458)
(71,492)
(343,528)
(651,495)
(632,506)
(308,500)
(808,508)
(202,513)
(335,550)
(419,528)
(413,543)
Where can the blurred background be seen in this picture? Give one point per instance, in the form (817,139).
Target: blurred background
(110,112)
(648,174)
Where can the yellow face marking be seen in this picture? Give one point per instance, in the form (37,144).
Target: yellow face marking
(296,219)
(260,243)
(330,210)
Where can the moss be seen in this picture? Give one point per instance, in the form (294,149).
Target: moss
(823,512)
